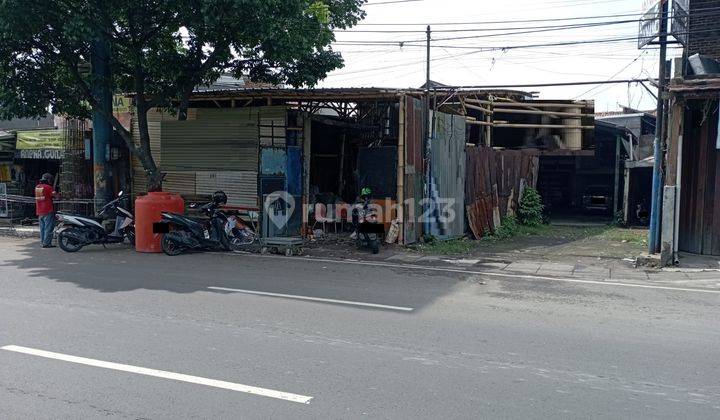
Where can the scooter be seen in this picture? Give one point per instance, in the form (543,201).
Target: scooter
(182,233)
(74,232)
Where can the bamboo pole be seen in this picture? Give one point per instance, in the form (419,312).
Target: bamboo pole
(474,122)
(401,171)
(551,113)
(584,127)
(475,107)
(531,104)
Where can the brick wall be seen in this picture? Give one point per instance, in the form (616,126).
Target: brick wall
(705,28)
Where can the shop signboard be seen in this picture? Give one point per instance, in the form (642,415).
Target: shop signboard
(53,154)
(121,104)
(650,22)
(40,139)
(680,26)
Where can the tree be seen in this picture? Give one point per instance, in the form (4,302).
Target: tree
(160,50)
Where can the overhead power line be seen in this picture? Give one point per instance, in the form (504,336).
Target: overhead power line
(556,27)
(497,22)
(532,85)
(490,22)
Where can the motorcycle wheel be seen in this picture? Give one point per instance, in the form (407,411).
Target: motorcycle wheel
(225,242)
(375,246)
(67,243)
(170,247)
(130,234)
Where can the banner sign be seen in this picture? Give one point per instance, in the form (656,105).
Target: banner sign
(40,139)
(121,104)
(680,26)
(650,23)
(53,154)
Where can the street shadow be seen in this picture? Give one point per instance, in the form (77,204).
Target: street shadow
(120,269)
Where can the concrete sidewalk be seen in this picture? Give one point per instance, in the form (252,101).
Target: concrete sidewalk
(603,270)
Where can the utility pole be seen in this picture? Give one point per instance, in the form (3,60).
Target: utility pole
(657,180)
(426,132)
(102,130)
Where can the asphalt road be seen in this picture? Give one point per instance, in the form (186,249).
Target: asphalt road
(352,341)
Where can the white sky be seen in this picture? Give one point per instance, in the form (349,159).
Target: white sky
(392,66)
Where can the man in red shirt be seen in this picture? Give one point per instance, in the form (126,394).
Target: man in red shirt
(45,210)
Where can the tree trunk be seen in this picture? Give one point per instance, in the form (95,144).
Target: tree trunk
(144,153)
(183,109)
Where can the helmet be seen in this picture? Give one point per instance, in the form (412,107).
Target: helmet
(219,198)
(46,177)
(365,192)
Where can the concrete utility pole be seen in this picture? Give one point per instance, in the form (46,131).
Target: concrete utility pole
(656,203)
(102,130)
(426,131)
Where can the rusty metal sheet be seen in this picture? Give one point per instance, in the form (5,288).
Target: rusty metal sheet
(493,182)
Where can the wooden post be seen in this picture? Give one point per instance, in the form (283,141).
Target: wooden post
(401,171)
(616,192)
(341,178)
(488,127)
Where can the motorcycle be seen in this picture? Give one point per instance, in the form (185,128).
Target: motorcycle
(75,232)
(369,230)
(182,233)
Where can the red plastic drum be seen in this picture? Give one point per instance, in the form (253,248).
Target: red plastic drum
(148,210)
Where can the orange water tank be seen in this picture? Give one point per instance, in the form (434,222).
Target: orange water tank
(148,210)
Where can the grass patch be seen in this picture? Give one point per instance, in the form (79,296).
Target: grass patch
(449,247)
(512,234)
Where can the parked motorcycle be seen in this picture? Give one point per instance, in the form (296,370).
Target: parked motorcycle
(183,233)
(369,230)
(74,231)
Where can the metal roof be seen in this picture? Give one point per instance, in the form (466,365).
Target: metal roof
(344,94)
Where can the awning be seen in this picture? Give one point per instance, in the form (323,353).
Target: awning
(40,140)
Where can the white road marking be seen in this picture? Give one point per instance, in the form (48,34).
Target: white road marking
(491,274)
(314,299)
(162,374)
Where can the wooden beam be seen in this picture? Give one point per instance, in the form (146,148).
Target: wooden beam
(484,123)
(583,127)
(475,107)
(532,104)
(551,113)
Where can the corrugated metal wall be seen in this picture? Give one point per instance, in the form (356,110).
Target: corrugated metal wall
(215,149)
(207,145)
(493,182)
(155,117)
(448,176)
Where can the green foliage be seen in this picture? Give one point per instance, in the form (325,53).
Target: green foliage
(531,208)
(619,219)
(507,229)
(159,50)
(429,238)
